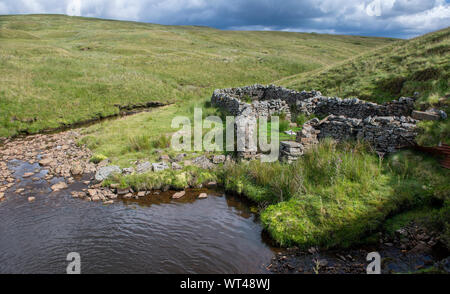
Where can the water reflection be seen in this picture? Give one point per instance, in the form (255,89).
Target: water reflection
(154,234)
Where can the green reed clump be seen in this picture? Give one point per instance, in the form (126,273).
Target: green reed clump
(337,193)
(139,143)
(163,141)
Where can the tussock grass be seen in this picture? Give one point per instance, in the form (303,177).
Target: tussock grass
(178,180)
(431,133)
(337,193)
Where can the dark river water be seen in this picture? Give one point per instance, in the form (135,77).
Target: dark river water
(157,235)
(154,234)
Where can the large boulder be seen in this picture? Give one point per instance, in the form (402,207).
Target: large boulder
(159,166)
(128,171)
(178,195)
(203,162)
(219,159)
(143,167)
(104,172)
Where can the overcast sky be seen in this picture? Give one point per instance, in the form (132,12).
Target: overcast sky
(390,18)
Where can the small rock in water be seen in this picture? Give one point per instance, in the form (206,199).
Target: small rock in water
(18,191)
(27,175)
(141,194)
(92,192)
(112,196)
(59,186)
(202,196)
(211,184)
(77,194)
(108,202)
(76,169)
(46,161)
(2,195)
(123,191)
(31,199)
(178,195)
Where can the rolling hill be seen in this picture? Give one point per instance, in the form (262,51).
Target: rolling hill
(399,69)
(57,70)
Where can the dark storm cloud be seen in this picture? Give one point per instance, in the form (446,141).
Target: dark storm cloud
(397,18)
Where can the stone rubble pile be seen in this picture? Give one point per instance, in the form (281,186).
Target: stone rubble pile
(306,138)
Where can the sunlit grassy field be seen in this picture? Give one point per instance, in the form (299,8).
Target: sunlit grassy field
(400,69)
(57,70)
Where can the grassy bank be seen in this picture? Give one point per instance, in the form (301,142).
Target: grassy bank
(337,194)
(60,70)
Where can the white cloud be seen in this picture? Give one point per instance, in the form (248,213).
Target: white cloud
(429,20)
(74,8)
(401,18)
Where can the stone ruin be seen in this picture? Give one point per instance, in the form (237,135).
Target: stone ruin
(385,126)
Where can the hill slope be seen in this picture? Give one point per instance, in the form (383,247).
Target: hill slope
(399,69)
(58,70)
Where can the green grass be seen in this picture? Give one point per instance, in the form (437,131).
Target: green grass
(178,180)
(337,194)
(397,69)
(58,70)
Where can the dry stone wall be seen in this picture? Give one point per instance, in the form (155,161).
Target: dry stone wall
(268,100)
(385,126)
(251,100)
(384,133)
